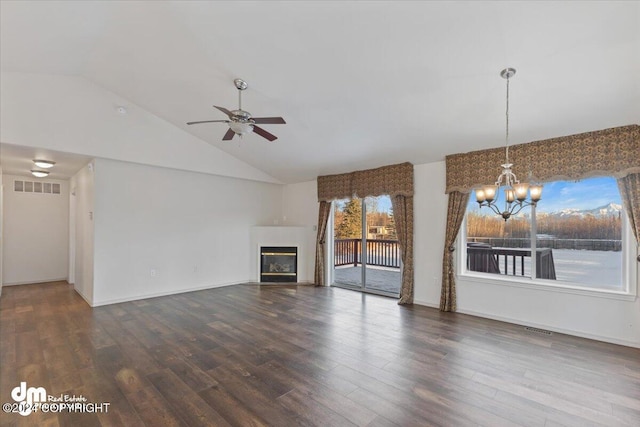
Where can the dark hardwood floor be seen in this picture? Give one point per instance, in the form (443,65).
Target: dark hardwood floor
(248,355)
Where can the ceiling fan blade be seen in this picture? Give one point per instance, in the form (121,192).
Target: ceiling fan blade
(229,135)
(263,133)
(208,121)
(269,120)
(224,110)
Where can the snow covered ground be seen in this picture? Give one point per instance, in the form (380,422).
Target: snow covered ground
(592,269)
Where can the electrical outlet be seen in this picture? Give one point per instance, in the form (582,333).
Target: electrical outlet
(153,272)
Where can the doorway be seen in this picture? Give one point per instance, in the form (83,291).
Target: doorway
(365,247)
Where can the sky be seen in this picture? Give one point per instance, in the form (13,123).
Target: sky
(586,194)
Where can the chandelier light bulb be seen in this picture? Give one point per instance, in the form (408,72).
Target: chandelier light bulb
(536,192)
(521,190)
(489,192)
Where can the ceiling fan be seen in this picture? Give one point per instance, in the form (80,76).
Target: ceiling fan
(240,122)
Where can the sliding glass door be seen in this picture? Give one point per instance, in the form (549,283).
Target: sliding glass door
(366,253)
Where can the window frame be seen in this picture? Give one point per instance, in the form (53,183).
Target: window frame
(630,268)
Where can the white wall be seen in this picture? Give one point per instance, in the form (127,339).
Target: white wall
(83,186)
(300,208)
(430,217)
(611,320)
(35,233)
(161,231)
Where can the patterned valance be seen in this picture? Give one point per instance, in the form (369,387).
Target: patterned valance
(394,180)
(613,152)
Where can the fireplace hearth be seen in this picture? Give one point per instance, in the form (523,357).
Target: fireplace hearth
(278,264)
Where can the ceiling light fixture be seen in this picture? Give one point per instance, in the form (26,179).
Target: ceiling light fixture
(241,128)
(46,164)
(515,192)
(39,174)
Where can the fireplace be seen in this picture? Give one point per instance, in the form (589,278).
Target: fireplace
(278,264)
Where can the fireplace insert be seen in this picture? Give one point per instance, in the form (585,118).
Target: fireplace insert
(278,264)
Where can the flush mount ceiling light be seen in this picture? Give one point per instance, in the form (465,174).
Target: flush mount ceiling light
(39,174)
(515,192)
(46,164)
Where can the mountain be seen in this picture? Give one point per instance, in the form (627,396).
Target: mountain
(611,209)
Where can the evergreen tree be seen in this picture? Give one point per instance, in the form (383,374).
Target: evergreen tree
(351,225)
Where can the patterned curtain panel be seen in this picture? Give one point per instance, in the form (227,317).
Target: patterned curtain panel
(392,180)
(611,152)
(403,214)
(323,219)
(333,187)
(629,187)
(455,214)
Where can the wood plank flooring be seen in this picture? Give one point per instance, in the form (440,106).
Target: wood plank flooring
(251,355)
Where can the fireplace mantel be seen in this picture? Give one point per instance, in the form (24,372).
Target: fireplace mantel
(301,237)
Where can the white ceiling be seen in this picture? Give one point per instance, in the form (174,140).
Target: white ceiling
(18,160)
(361,84)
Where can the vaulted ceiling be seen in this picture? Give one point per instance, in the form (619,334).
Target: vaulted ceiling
(360,84)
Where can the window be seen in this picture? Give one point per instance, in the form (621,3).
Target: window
(580,231)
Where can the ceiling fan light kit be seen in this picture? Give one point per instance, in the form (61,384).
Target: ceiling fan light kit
(241,122)
(241,128)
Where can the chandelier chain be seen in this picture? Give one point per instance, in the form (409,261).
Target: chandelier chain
(507,128)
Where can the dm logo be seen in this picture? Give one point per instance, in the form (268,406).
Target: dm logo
(29,396)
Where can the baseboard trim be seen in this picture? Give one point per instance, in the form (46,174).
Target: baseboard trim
(164,294)
(552,328)
(426,303)
(539,326)
(31,282)
(83,296)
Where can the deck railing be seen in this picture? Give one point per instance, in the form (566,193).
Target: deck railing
(383,253)
(509,261)
(551,243)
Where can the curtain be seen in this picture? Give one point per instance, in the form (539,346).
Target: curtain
(323,218)
(629,187)
(403,215)
(608,152)
(396,181)
(391,180)
(455,214)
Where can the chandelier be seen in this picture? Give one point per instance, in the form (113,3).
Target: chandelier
(515,192)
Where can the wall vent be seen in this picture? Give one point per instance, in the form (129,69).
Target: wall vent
(36,187)
(538,331)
